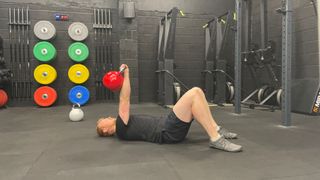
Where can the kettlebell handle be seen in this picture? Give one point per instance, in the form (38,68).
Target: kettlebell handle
(77,104)
(122,69)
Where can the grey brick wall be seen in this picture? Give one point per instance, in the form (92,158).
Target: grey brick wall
(190,6)
(71,3)
(189,50)
(189,47)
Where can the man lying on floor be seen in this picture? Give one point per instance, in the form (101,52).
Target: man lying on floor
(172,129)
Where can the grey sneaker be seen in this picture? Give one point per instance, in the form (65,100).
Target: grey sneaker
(225,145)
(227,134)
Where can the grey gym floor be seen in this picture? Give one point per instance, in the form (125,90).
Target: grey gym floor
(39,143)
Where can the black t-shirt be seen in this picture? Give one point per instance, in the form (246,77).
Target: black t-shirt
(141,127)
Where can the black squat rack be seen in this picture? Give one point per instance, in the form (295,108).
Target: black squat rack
(169,86)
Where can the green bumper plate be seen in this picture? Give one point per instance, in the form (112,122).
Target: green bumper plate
(78,52)
(44,51)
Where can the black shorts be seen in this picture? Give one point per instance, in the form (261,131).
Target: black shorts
(174,129)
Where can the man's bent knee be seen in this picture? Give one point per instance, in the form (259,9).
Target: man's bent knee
(196,90)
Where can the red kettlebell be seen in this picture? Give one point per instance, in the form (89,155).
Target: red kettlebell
(3,98)
(113,80)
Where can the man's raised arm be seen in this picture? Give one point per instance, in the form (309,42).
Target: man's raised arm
(124,100)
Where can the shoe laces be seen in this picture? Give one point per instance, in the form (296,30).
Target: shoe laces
(224,142)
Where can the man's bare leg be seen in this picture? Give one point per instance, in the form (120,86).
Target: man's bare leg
(193,104)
